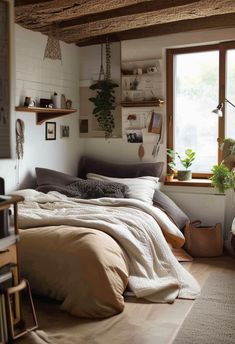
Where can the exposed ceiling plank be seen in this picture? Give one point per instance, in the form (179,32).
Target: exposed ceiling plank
(53,11)
(200,9)
(28,2)
(213,22)
(91,21)
(41,14)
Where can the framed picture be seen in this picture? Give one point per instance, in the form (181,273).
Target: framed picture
(64,131)
(5,151)
(50,130)
(83,126)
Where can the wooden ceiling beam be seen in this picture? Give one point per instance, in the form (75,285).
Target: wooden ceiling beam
(43,13)
(70,13)
(200,9)
(213,22)
(28,2)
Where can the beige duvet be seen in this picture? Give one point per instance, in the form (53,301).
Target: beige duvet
(83,267)
(84,252)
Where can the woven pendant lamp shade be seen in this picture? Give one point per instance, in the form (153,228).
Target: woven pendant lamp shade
(53,50)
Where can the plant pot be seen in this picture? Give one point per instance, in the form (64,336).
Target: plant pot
(184,175)
(169,177)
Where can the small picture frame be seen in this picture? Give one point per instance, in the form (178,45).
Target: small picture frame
(64,131)
(83,126)
(50,130)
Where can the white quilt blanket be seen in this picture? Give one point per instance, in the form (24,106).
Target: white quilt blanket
(155,274)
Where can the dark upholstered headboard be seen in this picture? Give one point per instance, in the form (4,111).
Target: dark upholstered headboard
(92,165)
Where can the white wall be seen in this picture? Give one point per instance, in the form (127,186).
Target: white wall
(39,78)
(199,203)
(141,49)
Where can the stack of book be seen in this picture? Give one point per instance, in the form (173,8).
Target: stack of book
(6,281)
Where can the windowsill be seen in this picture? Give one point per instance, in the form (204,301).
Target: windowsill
(192,182)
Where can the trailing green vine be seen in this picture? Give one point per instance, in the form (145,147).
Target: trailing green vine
(104,101)
(104,105)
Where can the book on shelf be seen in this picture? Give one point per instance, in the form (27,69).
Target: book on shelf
(4,223)
(3,321)
(6,281)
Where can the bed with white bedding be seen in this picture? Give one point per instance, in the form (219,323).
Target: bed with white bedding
(87,253)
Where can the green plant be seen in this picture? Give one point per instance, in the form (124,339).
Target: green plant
(224,175)
(171,165)
(104,102)
(231,147)
(188,159)
(222,179)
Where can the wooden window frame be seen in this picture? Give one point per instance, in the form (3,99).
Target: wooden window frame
(170,53)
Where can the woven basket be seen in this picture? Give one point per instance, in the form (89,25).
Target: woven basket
(203,241)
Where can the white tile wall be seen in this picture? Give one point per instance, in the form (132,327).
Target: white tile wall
(39,78)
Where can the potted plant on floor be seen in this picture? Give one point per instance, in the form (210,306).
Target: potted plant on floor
(171,165)
(186,161)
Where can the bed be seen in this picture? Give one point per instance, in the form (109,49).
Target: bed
(88,253)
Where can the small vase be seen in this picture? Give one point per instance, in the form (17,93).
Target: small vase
(184,175)
(56,99)
(169,177)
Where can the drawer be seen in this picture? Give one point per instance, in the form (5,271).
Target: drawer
(8,255)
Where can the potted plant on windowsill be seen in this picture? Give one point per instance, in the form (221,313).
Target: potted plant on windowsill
(171,165)
(186,161)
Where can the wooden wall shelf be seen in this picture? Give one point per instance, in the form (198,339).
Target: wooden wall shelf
(147,103)
(45,114)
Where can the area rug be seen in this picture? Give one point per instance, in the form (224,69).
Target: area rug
(212,317)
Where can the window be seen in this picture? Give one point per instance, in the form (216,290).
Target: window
(230,93)
(195,86)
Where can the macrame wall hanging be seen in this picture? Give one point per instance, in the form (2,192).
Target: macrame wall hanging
(19,129)
(19,139)
(53,50)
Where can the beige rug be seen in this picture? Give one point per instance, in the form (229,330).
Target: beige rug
(212,318)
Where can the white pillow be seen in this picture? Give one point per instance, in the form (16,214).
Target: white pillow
(141,188)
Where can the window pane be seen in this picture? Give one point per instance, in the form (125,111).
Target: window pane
(196,85)
(230,94)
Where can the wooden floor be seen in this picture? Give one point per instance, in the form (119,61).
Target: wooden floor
(140,323)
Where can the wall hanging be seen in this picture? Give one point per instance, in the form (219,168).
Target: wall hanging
(19,130)
(104,101)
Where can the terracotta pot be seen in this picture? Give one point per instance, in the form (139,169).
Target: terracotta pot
(169,177)
(184,175)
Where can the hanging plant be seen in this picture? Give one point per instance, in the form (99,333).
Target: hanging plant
(104,101)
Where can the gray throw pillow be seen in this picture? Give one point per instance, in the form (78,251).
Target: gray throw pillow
(96,189)
(45,176)
(170,208)
(87,189)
